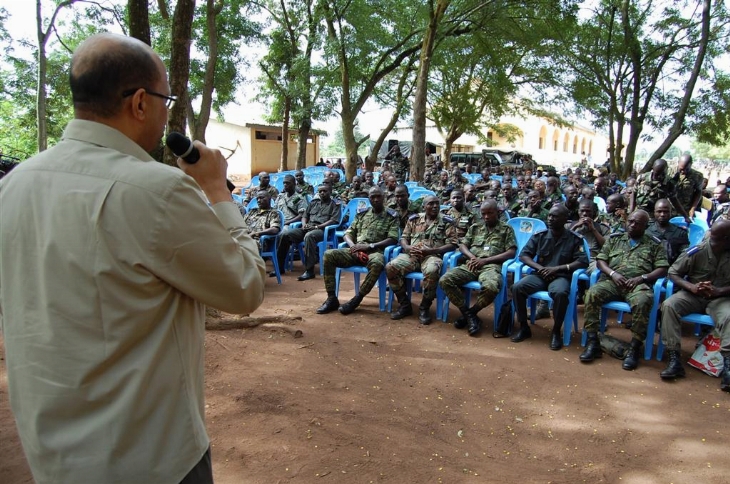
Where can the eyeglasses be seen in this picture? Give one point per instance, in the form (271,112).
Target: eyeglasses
(169,100)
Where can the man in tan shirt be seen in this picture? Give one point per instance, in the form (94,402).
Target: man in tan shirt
(104,279)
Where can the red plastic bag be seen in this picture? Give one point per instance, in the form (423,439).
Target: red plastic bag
(707,356)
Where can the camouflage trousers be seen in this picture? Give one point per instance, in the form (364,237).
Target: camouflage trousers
(489,277)
(404,263)
(640,299)
(335,258)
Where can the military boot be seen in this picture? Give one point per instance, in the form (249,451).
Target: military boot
(674,368)
(329,305)
(351,305)
(461,321)
(523,333)
(474,323)
(725,375)
(404,306)
(424,312)
(593,349)
(633,353)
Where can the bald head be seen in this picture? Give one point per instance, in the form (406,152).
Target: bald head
(105,67)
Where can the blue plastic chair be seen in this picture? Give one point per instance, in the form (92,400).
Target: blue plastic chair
(334,233)
(524,228)
(416,277)
(697,220)
(357,271)
(321,248)
(696,318)
(272,241)
(253,203)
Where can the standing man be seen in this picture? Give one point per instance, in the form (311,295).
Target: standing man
(486,247)
(321,213)
(630,262)
(372,231)
(291,203)
(674,238)
(559,252)
(399,163)
(688,183)
(426,238)
(706,289)
(652,186)
(104,336)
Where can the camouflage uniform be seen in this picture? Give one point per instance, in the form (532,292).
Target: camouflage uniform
(602,229)
(463,220)
(616,223)
(512,205)
(483,242)
(673,237)
(698,264)
(353,192)
(648,191)
(442,192)
(259,219)
(419,231)
(648,254)
(251,192)
(573,214)
(400,166)
(687,186)
(553,199)
(527,212)
(305,189)
(291,205)
(405,213)
(317,213)
(457,183)
(720,211)
(368,228)
(388,196)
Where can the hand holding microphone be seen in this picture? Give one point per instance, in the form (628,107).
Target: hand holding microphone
(207,167)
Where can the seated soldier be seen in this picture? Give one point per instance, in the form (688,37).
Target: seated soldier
(457,179)
(463,218)
(262,220)
(391,183)
(471,198)
(533,207)
(553,195)
(571,202)
(720,204)
(442,188)
(493,195)
(322,212)
(486,246)
(630,262)
(559,252)
(264,185)
(591,230)
(372,231)
(615,216)
(369,180)
(510,201)
(291,203)
(674,238)
(356,190)
(705,290)
(426,237)
(302,186)
(403,206)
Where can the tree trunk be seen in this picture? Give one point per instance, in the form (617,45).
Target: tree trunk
(211,15)
(418,160)
(41,96)
(348,134)
(182,23)
(138,17)
(285,135)
(304,129)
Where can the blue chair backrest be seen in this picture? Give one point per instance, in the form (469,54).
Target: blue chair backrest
(411,185)
(524,227)
(253,203)
(354,206)
(420,192)
(598,201)
(237,198)
(696,234)
(279,183)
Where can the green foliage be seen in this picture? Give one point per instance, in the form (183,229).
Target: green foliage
(336,146)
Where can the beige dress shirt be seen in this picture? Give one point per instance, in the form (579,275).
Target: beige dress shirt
(108,261)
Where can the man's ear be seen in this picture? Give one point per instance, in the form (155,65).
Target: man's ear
(139,105)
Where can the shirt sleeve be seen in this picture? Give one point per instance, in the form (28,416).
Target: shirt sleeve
(302,205)
(681,266)
(205,252)
(510,240)
(530,249)
(605,250)
(394,228)
(660,256)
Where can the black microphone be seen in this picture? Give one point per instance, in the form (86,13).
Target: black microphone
(182,147)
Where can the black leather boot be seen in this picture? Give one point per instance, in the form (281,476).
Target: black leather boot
(404,305)
(350,305)
(329,305)
(523,333)
(473,322)
(725,375)
(675,368)
(424,312)
(633,353)
(461,321)
(593,349)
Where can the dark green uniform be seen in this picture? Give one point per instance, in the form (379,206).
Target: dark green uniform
(259,219)
(400,166)
(405,213)
(368,228)
(648,191)
(317,213)
(587,234)
(305,189)
(483,242)
(291,205)
(687,187)
(353,192)
(462,219)
(433,234)
(629,259)
(674,238)
(251,192)
(616,223)
(542,214)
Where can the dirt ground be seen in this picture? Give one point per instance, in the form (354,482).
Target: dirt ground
(362,399)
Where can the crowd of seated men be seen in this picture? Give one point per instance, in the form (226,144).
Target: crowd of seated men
(635,232)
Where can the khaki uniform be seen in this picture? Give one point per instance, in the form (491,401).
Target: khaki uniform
(400,166)
(271,190)
(698,264)
(368,228)
(432,234)
(291,205)
(720,211)
(483,242)
(463,220)
(353,192)
(674,238)
(259,219)
(630,261)
(648,191)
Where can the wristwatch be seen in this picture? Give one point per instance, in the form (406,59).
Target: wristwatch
(372,246)
(644,278)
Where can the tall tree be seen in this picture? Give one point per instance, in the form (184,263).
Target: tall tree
(138,19)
